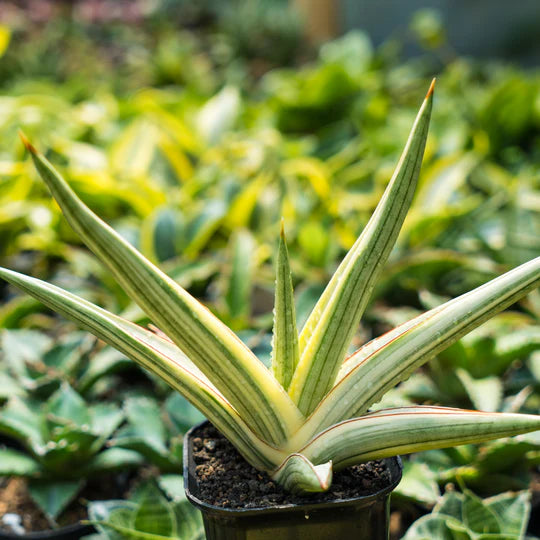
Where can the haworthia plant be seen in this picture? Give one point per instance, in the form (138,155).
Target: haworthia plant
(308,415)
(64,442)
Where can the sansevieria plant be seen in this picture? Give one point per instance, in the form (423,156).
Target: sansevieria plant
(308,415)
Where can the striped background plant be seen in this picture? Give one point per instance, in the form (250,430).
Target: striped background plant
(307,416)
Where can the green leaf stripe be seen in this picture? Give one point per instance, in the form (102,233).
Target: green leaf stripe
(405,430)
(285,336)
(329,330)
(210,344)
(408,346)
(157,355)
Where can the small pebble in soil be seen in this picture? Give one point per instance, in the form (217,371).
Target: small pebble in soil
(13,523)
(226,480)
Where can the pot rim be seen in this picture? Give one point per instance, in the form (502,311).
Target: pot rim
(68,531)
(394,465)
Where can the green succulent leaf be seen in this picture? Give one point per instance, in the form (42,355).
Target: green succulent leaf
(382,363)
(326,336)
(146,433)
(154,353)
(285,337)
(104,419)
(105,362)
(404,430)
(14,463)
(54,496)
(23,420)
(211,345)
(112,459)
(66,405)
(173,486)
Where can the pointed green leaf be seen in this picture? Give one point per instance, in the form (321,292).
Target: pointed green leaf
(16,463)
(450,505)
(159,356)
(404,430)
(144,416)
(210,344)
(112,459)
(69,406)
(106,362)
(374,369)
(285,337)
(22,420)
(104,419)
(485,394)
(146,432)
(54,496)
(330,328)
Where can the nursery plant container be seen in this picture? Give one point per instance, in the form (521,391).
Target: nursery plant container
(361,518)
(69,532)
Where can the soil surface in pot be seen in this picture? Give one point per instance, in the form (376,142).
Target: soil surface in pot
(15,499)
(228,481)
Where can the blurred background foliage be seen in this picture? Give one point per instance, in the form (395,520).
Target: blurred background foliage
(193,127)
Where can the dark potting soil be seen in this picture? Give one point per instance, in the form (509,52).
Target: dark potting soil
(228,481)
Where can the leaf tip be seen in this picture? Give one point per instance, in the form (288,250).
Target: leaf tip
(431,88)
(27,144)
(282,228)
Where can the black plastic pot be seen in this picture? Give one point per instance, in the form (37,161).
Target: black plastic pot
(70,532)
(360,518)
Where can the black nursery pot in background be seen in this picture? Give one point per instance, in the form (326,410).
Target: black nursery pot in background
(360,518)
(70,532)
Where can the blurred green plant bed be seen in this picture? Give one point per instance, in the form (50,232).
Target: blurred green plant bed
(180,171)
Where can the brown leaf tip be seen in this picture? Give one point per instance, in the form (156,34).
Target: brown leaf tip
(282,228)
(28,145)
(431,88)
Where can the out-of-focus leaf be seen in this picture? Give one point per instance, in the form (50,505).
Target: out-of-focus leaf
(53,496)
(237,296)
(155,515)
(314,240)
(14,463)
(485,394)
(219,114)
(5,37)
(201,228)
(478,517)
(181,413)
(418,483)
